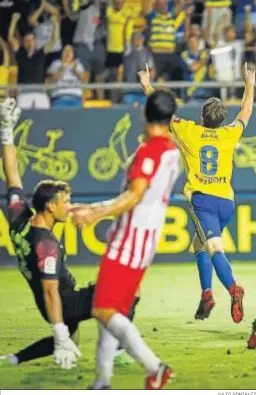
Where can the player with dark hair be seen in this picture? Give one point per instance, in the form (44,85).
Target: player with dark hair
(41,257)
(208,151)
(140,212)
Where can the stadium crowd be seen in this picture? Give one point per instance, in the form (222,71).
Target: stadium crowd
(65,43)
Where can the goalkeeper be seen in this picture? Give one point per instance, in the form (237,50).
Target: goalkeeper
(41,257)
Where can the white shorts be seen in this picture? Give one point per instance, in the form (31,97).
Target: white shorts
(39,100)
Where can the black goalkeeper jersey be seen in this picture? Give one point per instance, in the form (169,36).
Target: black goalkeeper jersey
(40,254)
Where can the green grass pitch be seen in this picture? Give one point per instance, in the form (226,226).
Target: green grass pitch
(205,355)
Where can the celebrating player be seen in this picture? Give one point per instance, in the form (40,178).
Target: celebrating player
(41,257)
(208,152)
(140,213)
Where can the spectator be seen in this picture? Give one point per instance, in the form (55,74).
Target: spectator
(89,42)
(196,66)
(214,12)
(4,65)
(237,47)
(23,7)
(176,7)
(241,7)
(30,62)
(227,60)
(220,27)
(68,23)
(147,6)
(66,71)
(162,27)
(249,38)
(183,20)
(76,5)
(133,63)
(135,11)
(41,20)
(4,54)
(196,30)
(6,10)
(250,48)
(119,32)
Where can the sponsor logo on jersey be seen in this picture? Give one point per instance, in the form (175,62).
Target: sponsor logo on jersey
(211,180)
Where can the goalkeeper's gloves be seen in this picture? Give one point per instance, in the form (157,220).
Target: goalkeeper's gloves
(9,116)
(65,350)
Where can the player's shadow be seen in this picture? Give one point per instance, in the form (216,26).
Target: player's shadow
(62,378)
(211,331)
(47,376)
(236,335)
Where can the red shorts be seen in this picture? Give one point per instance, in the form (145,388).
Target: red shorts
(116,286)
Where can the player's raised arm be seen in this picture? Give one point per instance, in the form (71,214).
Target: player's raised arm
(144,76)
(9,116)
(248,97)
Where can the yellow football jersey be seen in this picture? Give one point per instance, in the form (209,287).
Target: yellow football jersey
(208,155)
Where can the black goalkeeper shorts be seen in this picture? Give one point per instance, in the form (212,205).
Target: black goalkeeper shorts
(77,305)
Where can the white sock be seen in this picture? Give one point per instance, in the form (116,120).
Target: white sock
(14,360)
(130,339)
(106,350)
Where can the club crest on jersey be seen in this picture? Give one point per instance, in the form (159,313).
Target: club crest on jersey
(50,264)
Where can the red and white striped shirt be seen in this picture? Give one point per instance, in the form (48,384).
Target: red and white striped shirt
(134,235)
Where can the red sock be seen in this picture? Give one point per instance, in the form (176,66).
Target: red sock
(232,289)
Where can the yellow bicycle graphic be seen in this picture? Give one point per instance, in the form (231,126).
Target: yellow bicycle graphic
(245,153)
(61,165)
(105,162)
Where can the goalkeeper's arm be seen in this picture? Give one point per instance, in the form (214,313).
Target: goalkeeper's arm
(9,116)
(65,350)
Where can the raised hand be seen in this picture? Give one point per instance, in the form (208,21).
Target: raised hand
(144,76)
(16,16)
(248,75)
